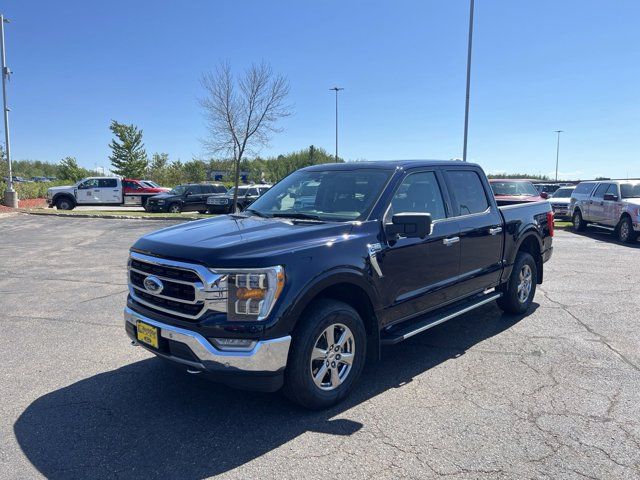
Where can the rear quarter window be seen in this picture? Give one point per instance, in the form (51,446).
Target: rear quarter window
(468,193)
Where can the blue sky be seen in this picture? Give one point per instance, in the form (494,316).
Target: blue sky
(538,66)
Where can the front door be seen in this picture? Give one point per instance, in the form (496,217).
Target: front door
(194,198)
(419,274)
(88,192)
(481,231)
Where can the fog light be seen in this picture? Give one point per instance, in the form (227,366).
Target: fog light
(233,344)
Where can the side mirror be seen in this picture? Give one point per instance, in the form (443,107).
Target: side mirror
(544,195)
(410,225)
(187,194)
(611,197)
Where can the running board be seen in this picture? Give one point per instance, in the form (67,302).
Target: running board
(398,333)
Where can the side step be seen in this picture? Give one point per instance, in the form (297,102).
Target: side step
(400,332)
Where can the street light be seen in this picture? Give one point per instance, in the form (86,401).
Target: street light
(10,195)
(466,103)
(336,89)
(558,152)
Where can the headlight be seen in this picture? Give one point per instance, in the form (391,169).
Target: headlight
(160,202)
(252,293)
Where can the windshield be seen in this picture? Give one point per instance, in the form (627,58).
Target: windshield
(332,195)
(151,184)
(514,189)
(179,190)
(563,193)
(630,190)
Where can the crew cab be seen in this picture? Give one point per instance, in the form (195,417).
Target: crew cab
(611,204)
(247,194)
(94,191)
(298,295)
(192,197)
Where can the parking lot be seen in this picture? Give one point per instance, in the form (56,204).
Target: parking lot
(555,393)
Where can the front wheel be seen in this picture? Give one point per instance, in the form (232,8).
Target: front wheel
(625,231)
(519,292)
(64,204)
(175,208)
(578,222)
(327,355)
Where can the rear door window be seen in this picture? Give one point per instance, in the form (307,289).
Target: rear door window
(107,183)
(584,189)
(467,192)
(195,189)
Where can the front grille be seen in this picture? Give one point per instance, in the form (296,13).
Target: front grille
(165,271)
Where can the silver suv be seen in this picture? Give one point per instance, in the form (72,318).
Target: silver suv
(612,204)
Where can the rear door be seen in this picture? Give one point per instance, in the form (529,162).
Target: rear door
(481,230)
(420,274)
(596,204)
(109,190)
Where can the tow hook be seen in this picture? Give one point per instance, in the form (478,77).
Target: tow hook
(134,343)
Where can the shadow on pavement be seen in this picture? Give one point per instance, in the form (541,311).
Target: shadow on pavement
(146,420)
(603,235)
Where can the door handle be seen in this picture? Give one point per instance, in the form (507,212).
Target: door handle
(450,241)
(495,231)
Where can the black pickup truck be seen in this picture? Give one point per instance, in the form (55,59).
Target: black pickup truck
(298,295)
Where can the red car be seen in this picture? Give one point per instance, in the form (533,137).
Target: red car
(510,191)
(136,192)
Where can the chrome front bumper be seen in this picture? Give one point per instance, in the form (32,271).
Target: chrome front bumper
(266,356)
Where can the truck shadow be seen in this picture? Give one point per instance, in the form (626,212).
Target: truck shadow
(148,420)
(602,235)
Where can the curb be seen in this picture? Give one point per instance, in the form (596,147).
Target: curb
(115,217)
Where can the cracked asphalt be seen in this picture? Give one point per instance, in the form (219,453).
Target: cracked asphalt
(553,394)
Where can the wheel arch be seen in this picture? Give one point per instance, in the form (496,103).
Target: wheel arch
(531,244)
(350,288)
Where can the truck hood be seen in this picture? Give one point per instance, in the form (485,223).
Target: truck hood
(64,188)
(560,200)
(632,201)
(240,241)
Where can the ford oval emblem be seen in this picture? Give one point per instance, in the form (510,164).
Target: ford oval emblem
(153,285)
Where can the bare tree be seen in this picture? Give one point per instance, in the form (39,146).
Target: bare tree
(241,114)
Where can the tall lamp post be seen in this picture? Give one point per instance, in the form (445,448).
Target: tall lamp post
(336,89)
(558,151)
(10,195)
(466,104)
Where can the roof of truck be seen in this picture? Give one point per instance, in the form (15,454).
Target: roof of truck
(389,164)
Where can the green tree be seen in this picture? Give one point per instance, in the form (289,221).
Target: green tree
(195,171)
(157,169)
(128,157)
(68,169)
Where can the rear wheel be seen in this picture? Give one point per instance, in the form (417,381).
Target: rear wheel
(327,355)
(625,231)
(64,203)
(519,292)
(578,222)
(175,208)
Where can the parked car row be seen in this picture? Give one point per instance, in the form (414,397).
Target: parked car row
(113,191)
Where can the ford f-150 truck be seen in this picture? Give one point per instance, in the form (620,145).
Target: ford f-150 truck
(94,191)
(298,295)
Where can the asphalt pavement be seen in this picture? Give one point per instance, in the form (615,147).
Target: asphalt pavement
(552,394)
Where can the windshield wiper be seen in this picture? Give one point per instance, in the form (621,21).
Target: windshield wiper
(298,216)
(257,213)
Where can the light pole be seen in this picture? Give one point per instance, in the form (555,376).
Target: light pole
(466,104)
(558,152)
(337,89)
(10,195)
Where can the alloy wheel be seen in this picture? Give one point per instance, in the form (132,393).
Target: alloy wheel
(332,357)
(525,282)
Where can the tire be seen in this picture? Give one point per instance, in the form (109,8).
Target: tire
(339,378)
(578,222)
(65,203)
(625,231)
(521,288)
(174,208)
(202,212)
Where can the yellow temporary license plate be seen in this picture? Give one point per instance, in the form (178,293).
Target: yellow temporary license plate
(147,334)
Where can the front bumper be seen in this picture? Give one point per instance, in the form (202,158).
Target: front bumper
(155,208)
(260,368)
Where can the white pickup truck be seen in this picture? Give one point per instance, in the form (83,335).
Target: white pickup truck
(110,191)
